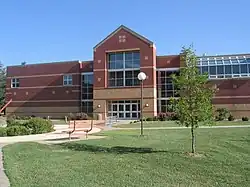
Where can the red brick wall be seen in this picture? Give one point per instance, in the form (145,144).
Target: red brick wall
(171,61)
(41,85)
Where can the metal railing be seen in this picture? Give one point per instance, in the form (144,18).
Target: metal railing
(110,120)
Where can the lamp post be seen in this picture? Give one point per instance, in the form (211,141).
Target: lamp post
(141,76)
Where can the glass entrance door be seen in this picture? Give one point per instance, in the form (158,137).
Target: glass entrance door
(128,109)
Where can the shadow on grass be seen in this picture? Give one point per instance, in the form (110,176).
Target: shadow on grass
(242,140)
(116,149)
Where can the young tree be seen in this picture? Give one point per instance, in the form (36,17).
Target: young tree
(194,106)
(2,83)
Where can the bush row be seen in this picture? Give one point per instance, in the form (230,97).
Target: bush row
(222,114)
(32,126)
(78,116)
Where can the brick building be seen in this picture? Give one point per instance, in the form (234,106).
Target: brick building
(110,80)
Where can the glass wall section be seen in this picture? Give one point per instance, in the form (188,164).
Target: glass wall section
(225,67)
(165,89)
(123,68)
(87,93)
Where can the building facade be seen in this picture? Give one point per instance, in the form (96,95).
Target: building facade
(110,81)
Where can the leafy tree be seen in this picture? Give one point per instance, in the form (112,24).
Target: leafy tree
(194,106)
(2,83)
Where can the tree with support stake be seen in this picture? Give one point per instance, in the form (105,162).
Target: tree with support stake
(194,106)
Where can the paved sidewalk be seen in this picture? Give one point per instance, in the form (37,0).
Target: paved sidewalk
(58,134)
(4,181)
(201,127)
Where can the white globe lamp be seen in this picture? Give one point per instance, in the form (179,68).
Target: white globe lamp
(142,76)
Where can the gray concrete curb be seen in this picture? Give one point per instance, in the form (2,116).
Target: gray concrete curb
(4,181)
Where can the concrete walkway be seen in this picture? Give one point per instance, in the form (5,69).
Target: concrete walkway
(4,181)
(59,134)
(201,127)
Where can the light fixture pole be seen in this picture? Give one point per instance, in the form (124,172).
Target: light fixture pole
(141,76)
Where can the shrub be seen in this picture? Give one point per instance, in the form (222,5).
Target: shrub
(149,119)
(244,118)
(162,116)
(3,131)
(17,130)
(171,116)
(12,122)
(78,116)
(155,118)
(231,117)
(221,114)
(39,125)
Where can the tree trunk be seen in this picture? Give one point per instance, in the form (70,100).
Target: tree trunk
(193,139)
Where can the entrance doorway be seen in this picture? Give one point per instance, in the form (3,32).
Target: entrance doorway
(126,109)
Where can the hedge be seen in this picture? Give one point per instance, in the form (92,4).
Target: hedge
(17,131)
(32,126)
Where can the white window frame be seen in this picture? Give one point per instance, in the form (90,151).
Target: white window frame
(15,82)
(67,80)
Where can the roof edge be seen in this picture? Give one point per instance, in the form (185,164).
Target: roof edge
(127,29)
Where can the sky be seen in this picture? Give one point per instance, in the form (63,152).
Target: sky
(38,31)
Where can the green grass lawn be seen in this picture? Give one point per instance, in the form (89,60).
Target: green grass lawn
(174,124)
(125,159)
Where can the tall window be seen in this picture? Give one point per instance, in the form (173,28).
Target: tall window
(87,93)
(87,86)
(67,80)
(14,83)
(123,69)
(166,88)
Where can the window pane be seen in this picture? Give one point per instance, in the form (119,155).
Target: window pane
(112,57)
(119,74)
(242,60)
(227,62)
(119,82)
(204,69)
(136,64)
(112,83)
(114,107)
(243,68)
(228,69)
(204,63)
(136,55)
(220,69)
(211,62)
(212,70)
(111,75)
(169,87)
(119,64)
(118,56)
(112,65)
(128,56)
(219,62)
(129,82)
(236,69)
(129,64)
(90,79)
(136,82)
(128,74)
(234,61)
